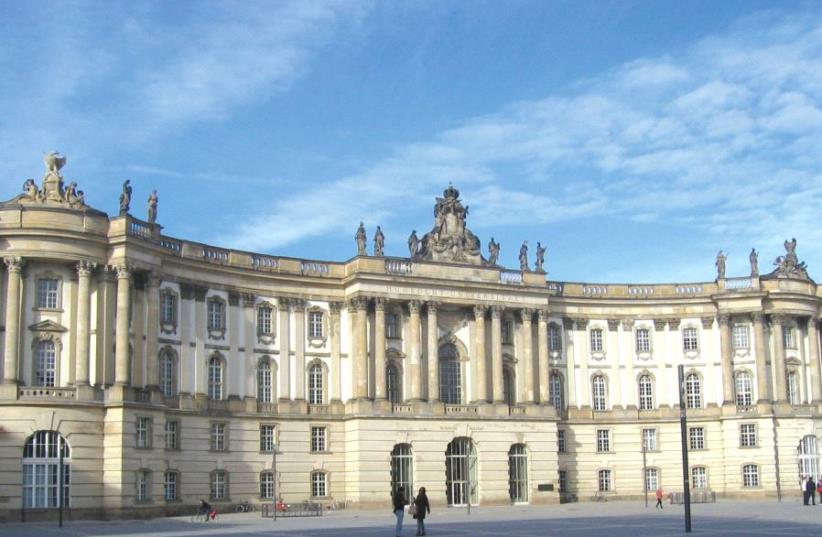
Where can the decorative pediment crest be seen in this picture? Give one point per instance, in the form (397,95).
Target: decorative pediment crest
(47,326)
(449,240)
(53,191)
(788,265)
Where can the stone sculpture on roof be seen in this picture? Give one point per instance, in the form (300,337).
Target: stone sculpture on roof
(449,240)
(523,256)
(125,198)
(720,265)
(753,258)
(413,243)
(493,251)
(788,265)
(379,242)
(53,192)
(360,238)
(540,258)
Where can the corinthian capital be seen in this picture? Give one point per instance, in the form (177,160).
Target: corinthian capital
(414,306)
(85,267)
(526,315)
(379,303)
(123,271)
(14,264)
(480,311)
(496,312)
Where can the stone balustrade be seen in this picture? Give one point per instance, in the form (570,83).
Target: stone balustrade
(398,266)
(510,277)
(46,393)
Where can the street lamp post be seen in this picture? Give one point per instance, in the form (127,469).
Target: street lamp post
(644,472)
(683,431)
(276,481)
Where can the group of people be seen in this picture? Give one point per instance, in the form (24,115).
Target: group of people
(419,508)
(809,490)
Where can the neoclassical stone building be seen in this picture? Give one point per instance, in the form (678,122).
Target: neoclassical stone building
(165,371)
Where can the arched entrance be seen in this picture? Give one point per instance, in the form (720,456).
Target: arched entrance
(461,472)
(42,474)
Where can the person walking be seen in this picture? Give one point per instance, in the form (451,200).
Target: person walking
(819,489)
(399,503)
(810,486)
(659,496)
(422,507)
(804,486)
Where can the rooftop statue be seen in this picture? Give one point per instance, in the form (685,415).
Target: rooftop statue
(152,207)
(53,192)
(788,265)
(753,257)
(361,239)
(523,256)
(720,265)
(125,198)
(379,243)
(493,252)
(413,243)
(449,240)
(540,258)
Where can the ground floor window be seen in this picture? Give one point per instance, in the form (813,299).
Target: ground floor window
(219,485)
(267,485)
(563,481)
(750,475)
(143,486)
(808,456)
(604,481)
(42,474)
(699,477)
(319,484)
(461,472)
(651,479)
(401,469)
(170,482)
(518,474)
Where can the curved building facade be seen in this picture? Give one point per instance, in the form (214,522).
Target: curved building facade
(161,371)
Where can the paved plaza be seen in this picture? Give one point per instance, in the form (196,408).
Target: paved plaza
(611,519)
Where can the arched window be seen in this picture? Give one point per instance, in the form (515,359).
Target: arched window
(555,391)
(45,364)
(744,389)
(792,387)
(402,469)
(215,378)
(693,391)
(646,393)
(808,455)
(450,377)
(461,472)
(393,384)
(509,390)
(264,380)
(599,393)
(518,474)
(42,473)
(316,385)
(168,384)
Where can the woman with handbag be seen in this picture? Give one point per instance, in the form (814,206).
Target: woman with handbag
(399,502)
(420,507)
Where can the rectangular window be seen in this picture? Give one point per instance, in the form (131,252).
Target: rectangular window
(143,486)
(596,340)
(649,439)
(747,435)
(168,305)
(507,328)
(392,329)
(267,485)
(740,337)
(699,477)
(605,481)
(315,324)
(219,485)
(793,388)
(170,486)
(696,438)
(750,475)
(267,438)
(143,425)
(319,484)
(690,339)
(603,440)
(561,440)
(643,340)
(172,434)
(318,439)
(651,479)
(216,315)
(218,437)
(264,321)
(554,338)
(563,481)
(47,293)
(789,337)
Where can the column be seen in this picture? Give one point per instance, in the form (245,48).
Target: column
(496,355)
(15,268)
(299,349)
(200,336)
(152,347)
(379,349)
(526,315)
(106,305)
(84,269)
(727,364)
(579,399)
(336,366)
(361,353)
(481,377)
(813,358)
(763,394)
(121,365)
(780,390)
(414,351)
(248,363)
(284,311)
(433,352)
(542,352)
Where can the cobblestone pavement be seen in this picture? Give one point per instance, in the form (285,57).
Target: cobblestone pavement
(611,519)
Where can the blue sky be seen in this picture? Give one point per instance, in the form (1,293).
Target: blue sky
(634,139)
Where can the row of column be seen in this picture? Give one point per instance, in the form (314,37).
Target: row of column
(359,310)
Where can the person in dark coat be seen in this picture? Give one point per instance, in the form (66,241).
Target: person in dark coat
(423,507)
(810,488)
(399,502)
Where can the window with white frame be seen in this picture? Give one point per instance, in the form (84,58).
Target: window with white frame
(143,426)
(603,440)
(555,391)
(264,380)
(41,470)
(792,387)
(518,474)
(172,434)
(747,435)
(741,338)
(563,481)
(651,478)
(216,314)
(789,336)
(267,438)
(561,447)
(143,486)
(596,340)
(750,475)
(215,378)
(402,473)
(450,375)
(48,293)
(392,325)
(744,389)
(696,438)
(643,340)
(315,324)
(168,384)
(699,477)
(267,485)
(318,439)
(693,391)
(264,320)
(319,484)
(219,485)
(316,389)
(649,439)
(554,338)
(218,437)
(646,392)
(598,393)
(808,456)
(170,486)
(690,339)
(604,481)
(168,307)
(45,364)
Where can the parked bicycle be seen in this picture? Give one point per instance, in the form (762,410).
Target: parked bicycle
(243,507)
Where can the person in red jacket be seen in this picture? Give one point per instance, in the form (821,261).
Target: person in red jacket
(659,495)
